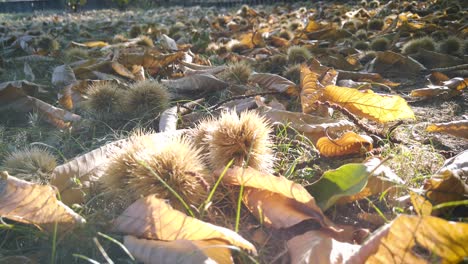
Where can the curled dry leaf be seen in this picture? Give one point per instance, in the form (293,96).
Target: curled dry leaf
(153,218)
(434,91)
(445,187)
(274,82)
(311,125)
(394,64)
(122,71)
(90,44)
(378,107)
(420,205)
(348,143)
(275,201)
(414,239)
(178,251)
(30,203)
(455,128)
(196,83)
(319,247)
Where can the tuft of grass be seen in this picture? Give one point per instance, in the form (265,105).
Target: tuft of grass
(413,46)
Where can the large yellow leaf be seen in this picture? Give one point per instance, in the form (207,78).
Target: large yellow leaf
(445,187)
(153,218)
(178,251)
(349,143)
(399,242)
(319,247)
(455,128)
(367,104)
(31,203)
(314,78)
(276,201)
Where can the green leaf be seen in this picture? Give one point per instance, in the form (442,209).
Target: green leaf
(347,180)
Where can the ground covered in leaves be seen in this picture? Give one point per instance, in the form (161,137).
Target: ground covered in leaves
(300,133)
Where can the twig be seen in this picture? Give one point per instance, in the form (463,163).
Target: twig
(216,106)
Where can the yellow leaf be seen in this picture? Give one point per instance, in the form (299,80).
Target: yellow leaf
(312,25)
(455,128)
(31,203)
(153,218)
(367,104)
(178,251)
(122,71)
(445,187)
(443,239)
(420,204)
(313,80)
(90,44)
(349,143)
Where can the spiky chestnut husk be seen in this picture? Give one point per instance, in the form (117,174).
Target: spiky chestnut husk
(145,41)
(286,34)
(104,101)
(361,45)
(361,34)
(135,31)
(380,44)
(277,63)
(413,46)
(74,54)
(451,45)
(146,98)
(375,24)
(295,25)
(439,35)
(374,4)
(238,72)
(298,54)
(175,160)
(419,34)
(32,164)
(47,43)
(293,73)
(200,132)
(244,138)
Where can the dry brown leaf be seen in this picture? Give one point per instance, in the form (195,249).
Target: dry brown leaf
(122,71)
(196,83)
(455,128)
(319,247)
(178,251)
(31,203)
(445,187)
(11,91)
(437,78)
(312,126)
(90,44)
(433,91)
(348,143)
(407,238)
(420,204)
(394,64)
(153,218)
(275,201)
(274,82)
(314,78)
(457,83)
(378,107)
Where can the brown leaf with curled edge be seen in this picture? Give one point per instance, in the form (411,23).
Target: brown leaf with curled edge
(14,90)
(433,91)
(445,187)
(314,78)
(149,60)
(274,82)
(391,63)
(455,128)
(378,107)
(407,238)
(71,95)
(348,143)
(196,84)
(153,218)
(178,251)
(31,203)
(365,77)
(275,201)
(437,78)
(319,247)
(457,83)
(312,25)
(122,71)
(252,39)
(312,126)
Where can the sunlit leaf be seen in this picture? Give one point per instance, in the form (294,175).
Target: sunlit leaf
(455,128)
(445,187)
(420,204)
(394,64)
(90,44)
(274,82)
(348,143)
(378,107)
(31,203)
(196,83)
(153,218)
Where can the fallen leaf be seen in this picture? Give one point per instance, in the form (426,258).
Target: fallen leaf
(455,128)
(178,251)
(168,43)
(196,83)
(319,247)
(407,238)
(394,64)
(378,107)
(90,44)
(434,91)
(445,187)
(274,82)
(31,203)
(420,204)
(153,218)
(348,143)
